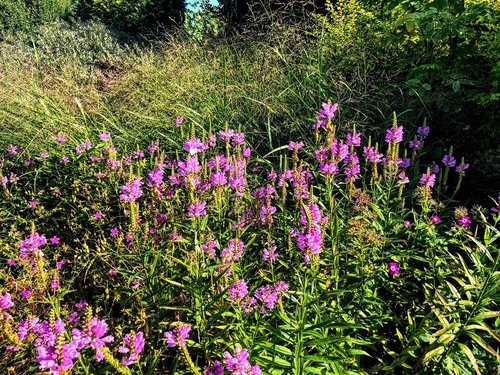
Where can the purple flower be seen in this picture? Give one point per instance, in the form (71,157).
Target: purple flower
(353,139)
(153,147)
(54,283)
(64,160)
(194,146)
(216,369)
(43,154)
(428,180)
(12,150)
(57,358)
(238,139)
(114,232)
(60,138)
(319,124)
(112,271)
(462,167)
(178,121)
(407,223)
(132,190)
(209,248)
(238,290)
(226,134)
(268,295)
(59,264)
(496,209)
(134,344)
(352,169)
(229,254)
(25,294)
(295,145)
(32,203)
(423,131)
(54,240)
(6,302)
(449,161)
(81,305)
(269,255)
(197,209)
(394,134)
(238,363)
(415,144)
(393,268)
(464,221)
(372,155)
(435,219)
(178,336)
(11,262)
(104,136)
(328,110)
(93,335)
(97,215)
(31,244)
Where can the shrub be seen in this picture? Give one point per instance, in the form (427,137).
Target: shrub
(24,14)
(134,16)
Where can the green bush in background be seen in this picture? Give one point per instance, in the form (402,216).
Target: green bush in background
(24,14)
(134,16)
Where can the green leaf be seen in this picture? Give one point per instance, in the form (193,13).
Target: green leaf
(482,343)
(456,86)
(275,348)
(277,361)
(486,315)
(471,357)
(431,354)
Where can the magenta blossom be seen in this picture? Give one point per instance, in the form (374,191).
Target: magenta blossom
(435,219)
(134,344)
(393,268)
(328,110)
(464,221)
(6,302)
(178,336)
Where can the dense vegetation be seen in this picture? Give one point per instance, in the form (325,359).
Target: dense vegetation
(194,200)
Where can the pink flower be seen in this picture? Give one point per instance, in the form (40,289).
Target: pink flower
(25,293)
(435,219)
(104,136)
(393,268)
(177,336)
(463,221)
(54,240)
(97,215)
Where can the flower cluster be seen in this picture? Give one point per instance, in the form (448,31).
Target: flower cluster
(30,246)
(309,235)
(236,362)
(134,344)
(178,336)
(131,190)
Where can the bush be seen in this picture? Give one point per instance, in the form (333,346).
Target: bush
(133,16)
(24,14)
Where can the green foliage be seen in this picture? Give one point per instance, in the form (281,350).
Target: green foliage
(25,14)
(450,50)
(133,16)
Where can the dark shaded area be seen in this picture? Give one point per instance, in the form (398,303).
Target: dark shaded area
(265,14)
(132,16)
